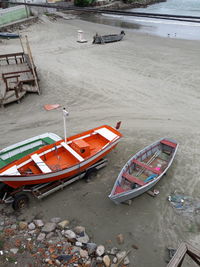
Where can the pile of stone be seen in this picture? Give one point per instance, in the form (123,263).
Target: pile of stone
(54,244)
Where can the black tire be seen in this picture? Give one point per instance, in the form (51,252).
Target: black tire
(20,202)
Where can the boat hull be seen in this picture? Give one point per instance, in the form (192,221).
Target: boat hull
(129,194)
(19,180)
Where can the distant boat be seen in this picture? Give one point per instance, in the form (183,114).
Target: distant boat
(8,35)
(61,159)
(144,170)
(23,148)
(101,39)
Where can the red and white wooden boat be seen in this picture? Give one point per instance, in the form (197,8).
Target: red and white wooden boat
(61,159)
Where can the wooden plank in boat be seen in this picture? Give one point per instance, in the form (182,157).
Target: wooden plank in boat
(133,179)
(11,171)
(146,166)
(168,143)
(73,152)
(106,134)
(40,163)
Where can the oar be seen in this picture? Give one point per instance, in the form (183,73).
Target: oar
(148,163)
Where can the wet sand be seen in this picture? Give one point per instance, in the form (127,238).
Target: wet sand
(149,83)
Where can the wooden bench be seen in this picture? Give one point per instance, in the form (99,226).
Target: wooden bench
(40,163)
(168,143)
(132,179)
(11,171)
(145,166)
(72,151)
(106,134)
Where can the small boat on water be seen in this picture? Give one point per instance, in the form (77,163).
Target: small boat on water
(144,170)
(101,39)
(23,148)
(8,35)
(61,159)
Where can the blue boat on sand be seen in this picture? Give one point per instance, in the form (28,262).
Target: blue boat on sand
(8,35)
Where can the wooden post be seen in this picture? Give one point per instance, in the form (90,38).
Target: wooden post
(32,64)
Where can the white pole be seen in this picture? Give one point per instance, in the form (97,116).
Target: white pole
(65,114)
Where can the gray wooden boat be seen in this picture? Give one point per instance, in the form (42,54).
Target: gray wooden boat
(101,39)
(144,170)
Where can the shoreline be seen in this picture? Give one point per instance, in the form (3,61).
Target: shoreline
(123,5)
(146,82)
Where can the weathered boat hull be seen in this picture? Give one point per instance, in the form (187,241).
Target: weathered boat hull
(101,39)
(132,193)
(7,35)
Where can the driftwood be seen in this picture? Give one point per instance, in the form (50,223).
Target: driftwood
(184,248)
(121,260)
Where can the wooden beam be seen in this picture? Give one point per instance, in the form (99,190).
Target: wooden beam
(184,248)
(178,256)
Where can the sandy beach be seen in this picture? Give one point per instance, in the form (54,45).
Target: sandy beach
(149,83)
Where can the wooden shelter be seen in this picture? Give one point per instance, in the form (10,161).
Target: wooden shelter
(18,75)
(183,250)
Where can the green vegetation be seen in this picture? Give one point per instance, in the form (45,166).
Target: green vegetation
(83,2)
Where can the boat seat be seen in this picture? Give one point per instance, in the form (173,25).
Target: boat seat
(106,134)
(145,166)
(40,163)
(73,152)
(132,179)
(11,171)
(168,143)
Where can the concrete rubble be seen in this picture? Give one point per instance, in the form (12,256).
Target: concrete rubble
(54,243)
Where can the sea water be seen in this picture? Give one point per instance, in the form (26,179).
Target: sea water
(160,27)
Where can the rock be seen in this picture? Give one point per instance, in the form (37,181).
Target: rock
(115,260)
(14,226)
(120,255)
(31,226)
(55,220)
(14,250)
(70,234)
(100,250)
(114,251)
(106,260)
(41,237)
(32,232)
(99,259)
(57,262)
(83,253)
(59,234)
(126,261)
(63,224)
(49,235)
(120,239)
(75,249)
(23,225)
(49,227)
(39,223)
(79,229)
(78,244)
(91,247)
(83,239)
(88,263)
